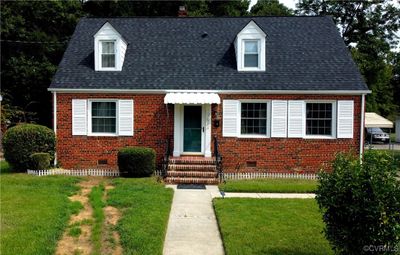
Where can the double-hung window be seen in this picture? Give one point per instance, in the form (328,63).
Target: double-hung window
(104,117)
(108,53)
(253,118)
(251,53)
(319,120)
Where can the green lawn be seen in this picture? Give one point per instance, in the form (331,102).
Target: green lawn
(271,226)
(145,206)
(4,167)
(270,185)
(34,212)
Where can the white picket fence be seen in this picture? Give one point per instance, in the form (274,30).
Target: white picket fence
(158,173)
(238,176)
(75,172)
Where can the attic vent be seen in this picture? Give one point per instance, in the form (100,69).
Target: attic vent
(102,162)
(251,164)
(205,34)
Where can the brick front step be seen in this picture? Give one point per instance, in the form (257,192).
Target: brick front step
(192,174)
(192,160)
(191,180)
(190,167)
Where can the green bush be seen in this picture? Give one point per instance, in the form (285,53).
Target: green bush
(361,204)
(136,161)
(40,161)
(21,141)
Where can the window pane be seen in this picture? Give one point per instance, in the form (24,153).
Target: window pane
(319,119)
(108,60)
(254,118)
(103,109)
(251,47)
(250,60)
(102,125)
(107,47)
(104,117)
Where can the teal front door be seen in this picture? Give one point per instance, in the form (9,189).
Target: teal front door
(192,129)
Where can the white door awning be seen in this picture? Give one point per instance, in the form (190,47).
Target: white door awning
(191,98)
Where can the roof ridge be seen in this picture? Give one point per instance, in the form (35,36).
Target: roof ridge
(207,17)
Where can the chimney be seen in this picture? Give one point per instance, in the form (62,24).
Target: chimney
(182,11)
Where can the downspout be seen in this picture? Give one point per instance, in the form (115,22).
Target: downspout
(55,123)
(362,126)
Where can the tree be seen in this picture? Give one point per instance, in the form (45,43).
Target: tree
(368,29)
(34,37)
(270,8)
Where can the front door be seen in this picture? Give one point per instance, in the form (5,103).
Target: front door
(192,128)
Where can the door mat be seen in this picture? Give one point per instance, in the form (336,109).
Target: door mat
(191,186)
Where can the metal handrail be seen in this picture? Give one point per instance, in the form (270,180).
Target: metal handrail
(166,156)
(218,161)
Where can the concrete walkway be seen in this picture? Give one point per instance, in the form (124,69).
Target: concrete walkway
(264,195)
(192,226)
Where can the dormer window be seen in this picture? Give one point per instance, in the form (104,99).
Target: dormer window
(109,49)
(107,54)
(250,48)
(251,53)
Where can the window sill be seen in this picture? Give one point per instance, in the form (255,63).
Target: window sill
(103,134)
(319,137)
(253,136)
(251,70)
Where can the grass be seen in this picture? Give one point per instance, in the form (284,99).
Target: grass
(97,203)
(34,212)
(75,231)
(145,206)
(4,167)
(270,185)
(271,226)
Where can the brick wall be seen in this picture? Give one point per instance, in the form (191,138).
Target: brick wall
(284,154)
(152,127)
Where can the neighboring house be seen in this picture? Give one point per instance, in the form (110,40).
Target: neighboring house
(279,94)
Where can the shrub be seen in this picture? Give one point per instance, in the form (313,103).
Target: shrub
(361,203)
(21,141)
(136,161)
(40,161)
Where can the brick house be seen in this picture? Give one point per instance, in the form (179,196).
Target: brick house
(278,94)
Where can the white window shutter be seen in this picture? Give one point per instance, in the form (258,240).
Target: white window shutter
(296,119)
(345,119)
(79,117)
(125,115)
(279,118)
(230,115)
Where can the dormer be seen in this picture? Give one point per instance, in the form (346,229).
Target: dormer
(109,49)
(250,48)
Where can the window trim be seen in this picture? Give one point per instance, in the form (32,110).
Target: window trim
(333,124)
(98,54)
(258,40)
(89,123)
(101,54)
(268,120)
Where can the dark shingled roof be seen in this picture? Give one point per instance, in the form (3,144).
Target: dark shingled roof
(302,53)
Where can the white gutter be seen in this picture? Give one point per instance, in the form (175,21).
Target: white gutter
(163,91)
(55,121)
(362,125)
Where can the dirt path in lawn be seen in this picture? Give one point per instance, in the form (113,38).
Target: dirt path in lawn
(77,237)
(110,237)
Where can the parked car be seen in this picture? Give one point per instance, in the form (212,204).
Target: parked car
(377,135)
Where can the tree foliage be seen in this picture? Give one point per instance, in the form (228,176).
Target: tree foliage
(34,37)
(369,29)
(270,8)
